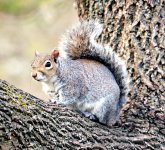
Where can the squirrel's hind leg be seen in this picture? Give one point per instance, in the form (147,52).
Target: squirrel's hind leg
(107,110)
(88,115)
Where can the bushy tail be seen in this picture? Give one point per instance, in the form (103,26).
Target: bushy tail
(79,42)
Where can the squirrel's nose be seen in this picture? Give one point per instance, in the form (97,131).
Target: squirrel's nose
(34,75)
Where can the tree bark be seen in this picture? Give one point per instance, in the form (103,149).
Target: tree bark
(135,30)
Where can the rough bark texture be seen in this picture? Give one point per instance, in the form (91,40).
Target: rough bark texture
(135,30)
(28,123)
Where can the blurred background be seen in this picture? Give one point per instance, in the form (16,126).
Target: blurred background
(26,26)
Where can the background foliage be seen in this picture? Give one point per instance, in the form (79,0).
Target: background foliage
(26,26)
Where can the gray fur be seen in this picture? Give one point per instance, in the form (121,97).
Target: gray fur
(79,42)
(88,88)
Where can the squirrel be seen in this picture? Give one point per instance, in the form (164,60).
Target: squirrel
(84,75)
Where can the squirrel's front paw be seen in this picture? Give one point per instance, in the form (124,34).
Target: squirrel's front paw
(64,103)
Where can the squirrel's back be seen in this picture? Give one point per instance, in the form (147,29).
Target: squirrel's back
(98,77)
(92,79)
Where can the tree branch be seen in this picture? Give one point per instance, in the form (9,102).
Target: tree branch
(27,122)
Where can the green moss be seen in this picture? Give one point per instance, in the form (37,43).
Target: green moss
(20,100)
(15,98)
(8,91)
(31,103)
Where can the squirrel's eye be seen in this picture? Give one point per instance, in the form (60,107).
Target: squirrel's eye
(48,64)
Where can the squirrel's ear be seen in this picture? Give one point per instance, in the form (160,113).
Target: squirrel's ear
(55,53)
(36,53)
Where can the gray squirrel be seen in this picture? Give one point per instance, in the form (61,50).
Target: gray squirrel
(84,75)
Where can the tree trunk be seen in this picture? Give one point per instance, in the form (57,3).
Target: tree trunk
(135,30)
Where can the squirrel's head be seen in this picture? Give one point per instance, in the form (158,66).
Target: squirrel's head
(44,66)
